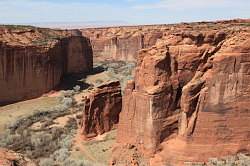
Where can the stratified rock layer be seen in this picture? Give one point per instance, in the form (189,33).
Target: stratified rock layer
(122,43)
(189,100)
(102,109)
(33,61)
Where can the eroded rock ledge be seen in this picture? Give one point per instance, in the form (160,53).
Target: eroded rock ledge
(189,100)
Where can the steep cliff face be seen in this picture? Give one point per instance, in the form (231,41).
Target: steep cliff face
(79,54)
(122,43)
(102,109)
(33,61)
(188,100)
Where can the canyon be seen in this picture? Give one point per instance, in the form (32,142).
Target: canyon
(187,100)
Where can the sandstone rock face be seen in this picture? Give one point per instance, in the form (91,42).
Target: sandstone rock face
(122,43)
(33,61)
(79,55)
(102,109)
(189,98)
(10,158)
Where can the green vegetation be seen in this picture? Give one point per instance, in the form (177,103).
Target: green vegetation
(11,113)
(248,24)
(237,160)
(38,133)
(47,36)
(113,70)
(18,27)
(44,129)
(99,149)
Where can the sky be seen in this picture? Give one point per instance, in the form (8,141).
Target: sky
(120,11)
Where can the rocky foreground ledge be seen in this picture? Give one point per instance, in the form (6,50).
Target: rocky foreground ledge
(10,158)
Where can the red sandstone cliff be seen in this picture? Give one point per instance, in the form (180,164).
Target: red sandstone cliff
(102,109)
(189,100)
(33,60)
(122,43)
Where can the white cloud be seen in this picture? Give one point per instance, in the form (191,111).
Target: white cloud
(194,4)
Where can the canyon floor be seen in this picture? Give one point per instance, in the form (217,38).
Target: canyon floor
(46,129)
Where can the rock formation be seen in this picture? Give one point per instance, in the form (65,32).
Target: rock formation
(102,109)
(122,43)
(189,100)
(33,60)
(10,158)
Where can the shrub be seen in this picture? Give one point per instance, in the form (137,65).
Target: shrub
(41,139)
(61,154)
(77,88)
(68,93)
(46,162)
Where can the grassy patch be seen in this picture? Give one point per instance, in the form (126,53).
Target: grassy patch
(114,70)
(97,150)
(12,113)
(243,24)
(48,142)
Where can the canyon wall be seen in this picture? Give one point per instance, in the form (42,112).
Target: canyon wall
(188,101)
(33,61)
(122,43)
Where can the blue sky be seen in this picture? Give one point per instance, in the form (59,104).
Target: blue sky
(122,11)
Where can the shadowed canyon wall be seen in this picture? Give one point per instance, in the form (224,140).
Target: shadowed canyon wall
(33,61)
(188,101)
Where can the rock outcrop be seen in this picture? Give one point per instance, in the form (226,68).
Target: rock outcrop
(33,60)
(102,108)
(122,43)
(10,158)
(188,101)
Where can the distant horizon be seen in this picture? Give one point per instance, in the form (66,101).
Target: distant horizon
(100,24)
(125,12)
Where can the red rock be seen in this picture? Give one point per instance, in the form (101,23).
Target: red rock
(121,43)
(10,158)
(33,61)
(102,109)
(189,98)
